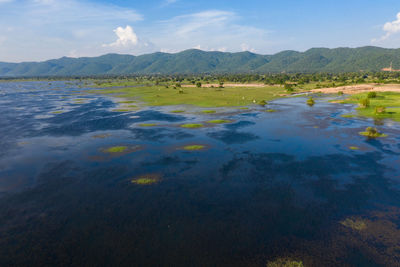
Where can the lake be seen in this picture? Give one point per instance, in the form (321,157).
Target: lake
(298,183)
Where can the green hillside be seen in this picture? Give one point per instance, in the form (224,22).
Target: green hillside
(197,61)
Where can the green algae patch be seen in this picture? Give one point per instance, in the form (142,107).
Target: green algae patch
(208,111)
(148,124)
(354,148)
(192,125)
(355,224)
(270,110)
(146,179)
(285,262)
(371,132)
(116,149)
(194,147)
(177,111)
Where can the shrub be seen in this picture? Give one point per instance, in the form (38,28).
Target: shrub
(371,95)
(180,90)
(288,87)
(372,132)
(310,102)
(364,103)
(262,102)
(340,93)
(198,84)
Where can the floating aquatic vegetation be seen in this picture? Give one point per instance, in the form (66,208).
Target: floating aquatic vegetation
(372,132)
(192,125)
(116,149)
(270,110)
(219,121)
(208,111)
(354,148)
(146,179)
(194,147)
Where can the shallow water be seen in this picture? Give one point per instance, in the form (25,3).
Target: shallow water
(267,186)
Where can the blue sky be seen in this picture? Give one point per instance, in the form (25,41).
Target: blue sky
(35,30)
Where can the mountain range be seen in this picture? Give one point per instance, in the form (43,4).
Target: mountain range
(194,61)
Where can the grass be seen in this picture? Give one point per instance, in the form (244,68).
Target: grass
(383,105)
(116,149)
(355,224)
(194,147)
(148,124)
(219,121)
(202,97)
(192,125)
(371,132)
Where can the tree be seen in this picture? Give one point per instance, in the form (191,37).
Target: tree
(198,84)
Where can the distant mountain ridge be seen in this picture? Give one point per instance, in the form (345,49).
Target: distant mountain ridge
(194,61)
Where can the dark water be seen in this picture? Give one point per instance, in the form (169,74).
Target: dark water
(268,186)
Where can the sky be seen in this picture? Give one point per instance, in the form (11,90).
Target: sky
(38,30)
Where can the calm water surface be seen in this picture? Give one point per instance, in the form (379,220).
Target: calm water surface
(267,186)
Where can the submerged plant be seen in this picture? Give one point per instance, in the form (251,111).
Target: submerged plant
(355,224)
(285,262)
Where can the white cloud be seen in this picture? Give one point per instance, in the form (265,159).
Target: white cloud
(390,28)
(126,37)
(213,30)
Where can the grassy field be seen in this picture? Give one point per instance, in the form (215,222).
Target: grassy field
(384,105)
(202,97)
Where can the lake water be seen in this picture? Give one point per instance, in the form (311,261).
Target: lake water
(268,185)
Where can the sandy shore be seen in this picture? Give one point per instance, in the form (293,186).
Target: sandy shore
(355,89)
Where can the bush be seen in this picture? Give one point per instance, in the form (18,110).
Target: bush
(262,102)
(310,102)
(198,84)
(364,103)
(371,95)
(288,87)
(340,93)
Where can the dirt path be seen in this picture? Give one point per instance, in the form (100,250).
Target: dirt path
(355,89)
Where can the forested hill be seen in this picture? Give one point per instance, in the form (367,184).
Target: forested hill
(197,61)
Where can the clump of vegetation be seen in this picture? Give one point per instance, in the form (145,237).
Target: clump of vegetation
(380,110)
(146,180)
(364,103)
(148,124)
(372,132)
(208,111)
(126,102)
(116,149)
(285,262)
(198,84)
(262,103)
(194,147)
(288,87)
(310,101)
(192,125)
(177,111)
(340,93)
(270,110)
(355,224)
(57,112)
(354,148)
(371,95)
(219,121)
